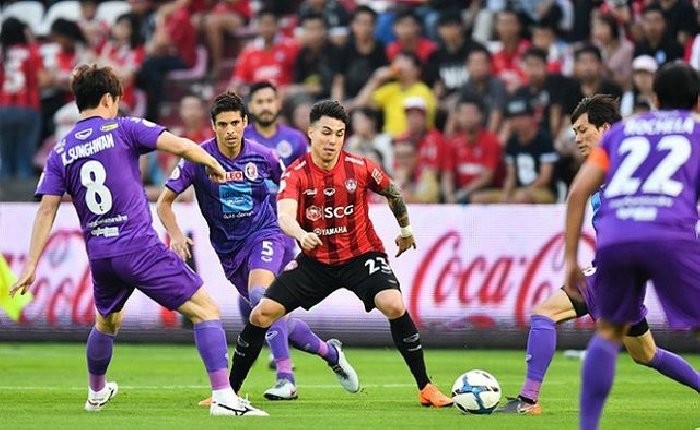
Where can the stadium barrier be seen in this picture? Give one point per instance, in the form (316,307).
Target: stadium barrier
(475,276)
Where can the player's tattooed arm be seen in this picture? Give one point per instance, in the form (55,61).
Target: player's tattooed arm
(392,192)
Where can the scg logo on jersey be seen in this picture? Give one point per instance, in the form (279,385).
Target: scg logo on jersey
(314,213)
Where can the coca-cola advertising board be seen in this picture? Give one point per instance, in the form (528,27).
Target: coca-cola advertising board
(475,267)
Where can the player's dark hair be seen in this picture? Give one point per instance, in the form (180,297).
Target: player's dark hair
(601,109)
(359,10)
(588,49)
(261,85)
(330,108)
(91,82)
(536,53)
(677,86)
(228,102)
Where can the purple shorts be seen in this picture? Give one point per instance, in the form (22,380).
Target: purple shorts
(674,268)
(264,253)
(589,296)
(290,250)
(155,271)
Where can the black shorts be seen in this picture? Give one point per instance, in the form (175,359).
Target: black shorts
(308,281)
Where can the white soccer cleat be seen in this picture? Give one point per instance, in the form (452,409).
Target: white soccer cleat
(283,390)
(343,370)
(235,407)
(98,399)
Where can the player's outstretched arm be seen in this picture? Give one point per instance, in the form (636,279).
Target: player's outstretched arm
(286,216)
(397,205)
(45,216)
(588,180)
(179,243)
(190,151)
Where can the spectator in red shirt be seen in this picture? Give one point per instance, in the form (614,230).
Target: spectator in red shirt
(172,47)
(226,17)
(473,154)
(20,121)
(96,30)
(408,37)
(506,62)
(267,58)
(125,54)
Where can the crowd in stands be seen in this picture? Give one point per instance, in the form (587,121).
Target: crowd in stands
(460,101)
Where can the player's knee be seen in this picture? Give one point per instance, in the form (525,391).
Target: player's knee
(266,313)
(642,357)
(392,309)
(110,324)
(611,331)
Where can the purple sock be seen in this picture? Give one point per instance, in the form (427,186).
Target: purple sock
(99,354)
(276,338)
(304,339)
(597,377)
(673,366)
(541,344)
(210,338)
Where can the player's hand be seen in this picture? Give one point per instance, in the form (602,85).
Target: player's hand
(216,173)
(575,281)
(309,240)
(24,282)
(181,246)
(404,242)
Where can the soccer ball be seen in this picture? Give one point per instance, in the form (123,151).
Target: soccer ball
(476,392)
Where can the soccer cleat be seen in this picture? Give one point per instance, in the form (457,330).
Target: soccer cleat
(236,407)
(430,395)
(206,402)
(343,370)
(98,399)
(516,405)
(283,390)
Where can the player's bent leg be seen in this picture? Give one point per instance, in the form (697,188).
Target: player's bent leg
(407,340)
(643,350)
(100,344)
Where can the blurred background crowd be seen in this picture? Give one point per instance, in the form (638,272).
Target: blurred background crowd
(460,101)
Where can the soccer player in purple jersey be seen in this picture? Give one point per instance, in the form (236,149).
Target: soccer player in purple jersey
(97,165)
(245,234)
(650,168)
(591,119)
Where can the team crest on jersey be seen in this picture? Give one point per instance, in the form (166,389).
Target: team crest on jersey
(313,213)
(251,171)
(284,148)
(350,185)
(82,135)
(328,191)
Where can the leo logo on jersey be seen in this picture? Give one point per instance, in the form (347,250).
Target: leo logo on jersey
(315,213)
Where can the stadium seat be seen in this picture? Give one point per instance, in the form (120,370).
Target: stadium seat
(27,11)
(195,72)
(67,9)
(110,10)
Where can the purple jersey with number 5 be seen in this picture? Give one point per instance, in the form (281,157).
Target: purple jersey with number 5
(239,211)
(97,164)
(651,188)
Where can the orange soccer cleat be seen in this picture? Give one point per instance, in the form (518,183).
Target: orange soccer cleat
(206,402)
(430,395)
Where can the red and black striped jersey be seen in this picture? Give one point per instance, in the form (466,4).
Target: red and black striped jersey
(333,204)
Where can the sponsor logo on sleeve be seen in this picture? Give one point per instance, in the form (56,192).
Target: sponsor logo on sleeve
(175,174)
(109,127)
(377,176)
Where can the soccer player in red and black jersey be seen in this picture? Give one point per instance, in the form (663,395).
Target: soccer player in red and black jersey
(322,203)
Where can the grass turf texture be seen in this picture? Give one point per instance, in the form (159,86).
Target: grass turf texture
(44,386)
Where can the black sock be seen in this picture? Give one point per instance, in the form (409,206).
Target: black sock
(526,400)
(248,347)
(407,340)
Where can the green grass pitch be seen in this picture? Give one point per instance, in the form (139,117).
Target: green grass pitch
(44,387)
